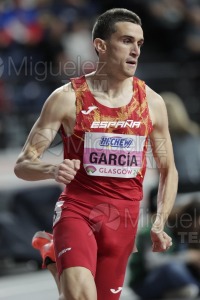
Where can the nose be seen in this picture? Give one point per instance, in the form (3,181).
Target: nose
(135,50)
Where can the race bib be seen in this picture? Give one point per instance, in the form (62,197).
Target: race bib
(113,155)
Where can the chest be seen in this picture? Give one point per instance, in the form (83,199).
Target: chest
(128,119)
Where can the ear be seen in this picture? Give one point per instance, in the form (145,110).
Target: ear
(100,45)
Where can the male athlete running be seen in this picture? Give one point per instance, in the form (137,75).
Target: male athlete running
(105,118)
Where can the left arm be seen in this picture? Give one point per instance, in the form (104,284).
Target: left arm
(163,154)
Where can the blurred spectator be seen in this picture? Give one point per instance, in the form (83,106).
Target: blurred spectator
(19,22)
(183,262)
(186,143)
(185,135)
(5,108)
(168,13)
(20,50)
(179,120)
(20,30)
(192,33)
(78,46)
(54,52)
(175,273)
(167,24)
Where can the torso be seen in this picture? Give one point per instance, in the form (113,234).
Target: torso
(128,124)
(69,121)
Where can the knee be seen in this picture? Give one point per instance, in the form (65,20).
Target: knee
(72,291)
(76,293)
(78,284)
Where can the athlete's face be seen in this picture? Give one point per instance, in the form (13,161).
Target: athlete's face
(123,48)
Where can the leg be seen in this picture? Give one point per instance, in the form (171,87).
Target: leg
(43,241)
(76,252)
(53,270)
(110,276)
(116,242)
(77,283)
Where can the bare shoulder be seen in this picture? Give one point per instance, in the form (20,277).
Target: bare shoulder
(156,105)
(62,100)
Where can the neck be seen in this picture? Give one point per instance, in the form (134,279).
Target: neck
(104,81)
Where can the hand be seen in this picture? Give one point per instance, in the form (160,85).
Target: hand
(161,241)
(66,171)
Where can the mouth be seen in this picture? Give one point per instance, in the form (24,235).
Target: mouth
(131,63)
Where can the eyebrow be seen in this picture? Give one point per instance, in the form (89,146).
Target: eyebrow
(132,37)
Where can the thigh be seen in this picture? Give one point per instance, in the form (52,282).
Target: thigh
(74,244)
(115,240)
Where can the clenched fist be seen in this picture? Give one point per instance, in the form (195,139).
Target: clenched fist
(66,171)
(161,241)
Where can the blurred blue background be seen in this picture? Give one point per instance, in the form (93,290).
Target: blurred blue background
(44,42)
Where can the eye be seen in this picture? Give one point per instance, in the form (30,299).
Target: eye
(126,41)
(140,44)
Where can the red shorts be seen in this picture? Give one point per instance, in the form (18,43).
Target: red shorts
(98,235)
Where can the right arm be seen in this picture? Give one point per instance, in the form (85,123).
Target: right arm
(29,165)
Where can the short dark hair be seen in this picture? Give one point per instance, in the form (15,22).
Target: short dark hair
(104,26)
